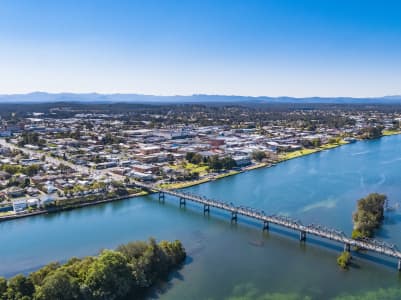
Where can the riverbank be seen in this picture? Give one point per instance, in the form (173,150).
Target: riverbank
(283,157)
(186,184)
(304,152)
(68,207)
(391,132)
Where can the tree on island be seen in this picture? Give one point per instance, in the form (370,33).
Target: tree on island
(344,259)
(367,218)
(369,215)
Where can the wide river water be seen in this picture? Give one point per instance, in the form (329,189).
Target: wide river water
(228,261)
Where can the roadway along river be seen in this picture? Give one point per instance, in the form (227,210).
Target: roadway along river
(229,261)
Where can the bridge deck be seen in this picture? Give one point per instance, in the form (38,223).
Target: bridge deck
(376,246)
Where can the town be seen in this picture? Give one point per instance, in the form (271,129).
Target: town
(66,155)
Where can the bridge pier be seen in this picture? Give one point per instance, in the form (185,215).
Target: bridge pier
(182,201)
(302,236)
(234,217)
(206,209)
(265,225)
(161,197)
(399,265)
(347,248)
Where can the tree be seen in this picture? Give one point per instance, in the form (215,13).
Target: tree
(109,277)
(3,286)
(194,158)
(334,140)
(228,163)
(316,142)
(20,286)
(215,163)
(344,259)
(112,275)
(30,138)
(372,132)
(189,156)
(58,285)
(38,276)
(132,250)
(31,170)
(258,155)
(369,214)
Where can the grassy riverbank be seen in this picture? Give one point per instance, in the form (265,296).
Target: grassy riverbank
(390,132)
(303,152)
(185,184)
(296,154)
(282,157)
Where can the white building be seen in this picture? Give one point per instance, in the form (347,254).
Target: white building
(19,205)
(32,202)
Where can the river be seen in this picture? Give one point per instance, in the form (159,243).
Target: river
(230,261)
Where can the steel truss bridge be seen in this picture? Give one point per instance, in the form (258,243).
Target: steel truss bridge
(373,245)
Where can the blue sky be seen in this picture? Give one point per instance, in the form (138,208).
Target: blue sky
(167,47)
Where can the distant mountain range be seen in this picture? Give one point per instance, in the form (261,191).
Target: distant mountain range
(41,97)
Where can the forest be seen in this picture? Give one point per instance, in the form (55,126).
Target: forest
(125,273)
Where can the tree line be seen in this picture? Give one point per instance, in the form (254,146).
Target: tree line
(213,162)
(125,273)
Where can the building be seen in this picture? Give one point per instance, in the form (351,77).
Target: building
(242,161)
(15,192)
(32,202)
(30,161)
(144,168)
(19,205)
(216,142)
(141,176)
(149,150)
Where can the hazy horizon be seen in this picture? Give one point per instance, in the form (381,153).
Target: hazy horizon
(191,95)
